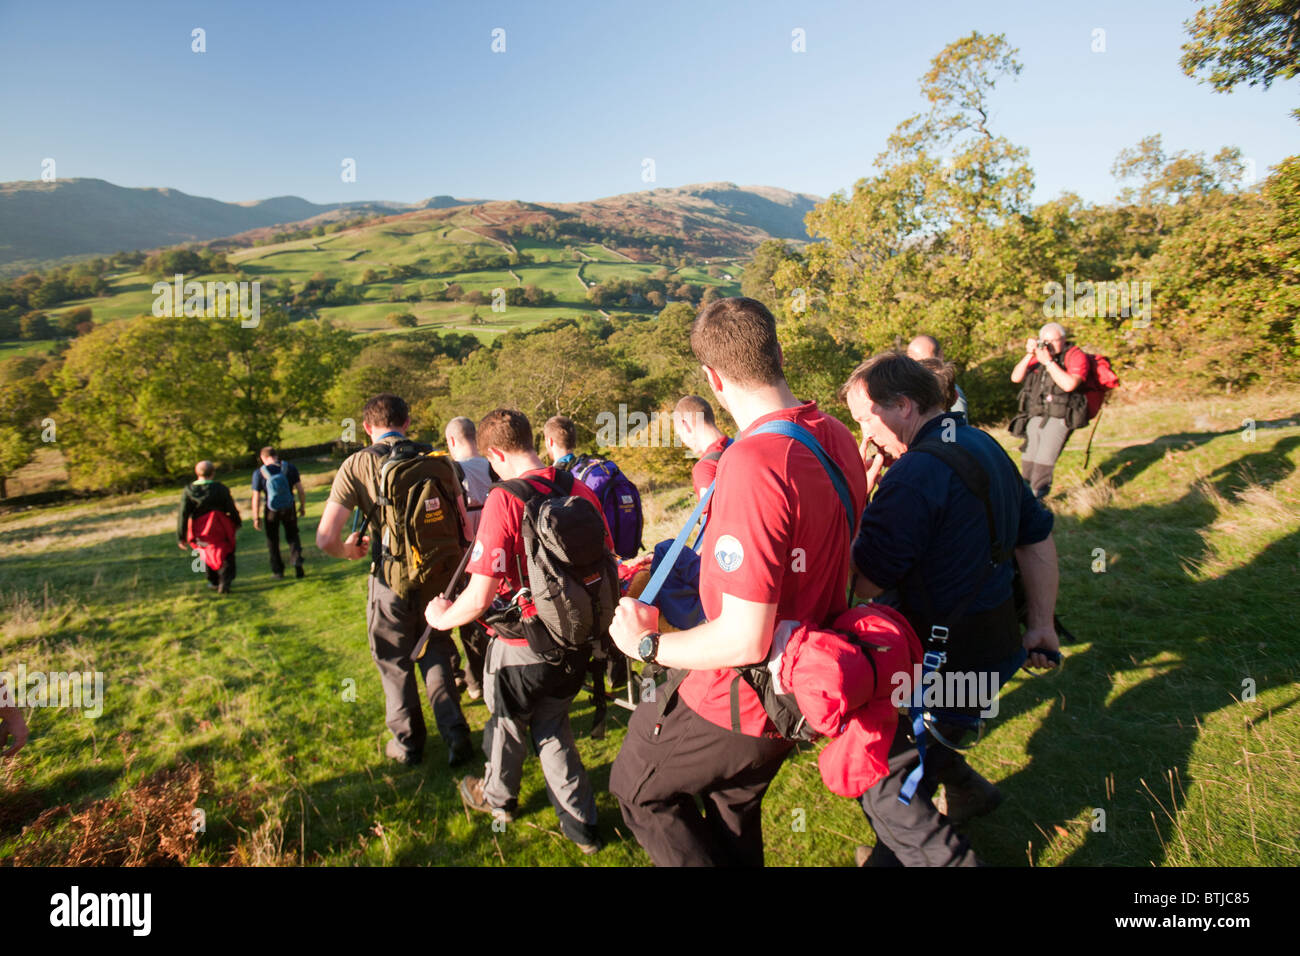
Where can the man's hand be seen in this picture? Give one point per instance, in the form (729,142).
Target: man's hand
(873,472)
(434,612)
(257,522)
(1044,355)
(12,724)
(1041,638)
(1031,346)
(356,547)
(633,620)
(302,510)
(182,545)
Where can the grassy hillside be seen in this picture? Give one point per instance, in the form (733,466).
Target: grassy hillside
(435,243)
(1148,721)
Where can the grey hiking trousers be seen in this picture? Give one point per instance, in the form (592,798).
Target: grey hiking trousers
(1045,438)
(505,744)
(394,625)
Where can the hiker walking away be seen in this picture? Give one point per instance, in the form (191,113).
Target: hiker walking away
(1051,369)
(279,481)
(926,533)
(696,426)
(394,621)
(927,347)
(529,690)
(207,523)
(620,502)
(776,549)
(462,445)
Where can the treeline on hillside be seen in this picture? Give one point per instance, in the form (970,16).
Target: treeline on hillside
(1190,276)
(661,248)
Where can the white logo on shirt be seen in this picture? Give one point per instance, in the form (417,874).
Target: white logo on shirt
(477,552)
(728,552)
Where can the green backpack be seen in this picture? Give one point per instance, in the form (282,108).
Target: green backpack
(420,523)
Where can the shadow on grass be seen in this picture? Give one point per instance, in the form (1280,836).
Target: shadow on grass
(1127,463)
(1216,634)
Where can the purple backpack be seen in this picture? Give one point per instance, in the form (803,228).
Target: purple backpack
(619,499)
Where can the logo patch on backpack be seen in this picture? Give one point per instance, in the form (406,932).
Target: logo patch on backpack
(729,553)
(432,504)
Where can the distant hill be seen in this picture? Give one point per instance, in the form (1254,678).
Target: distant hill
(42,221)
(84,217)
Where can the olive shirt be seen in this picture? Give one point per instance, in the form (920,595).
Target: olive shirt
(356,485)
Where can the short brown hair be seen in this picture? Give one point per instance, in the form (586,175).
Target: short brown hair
(737,339)
(889,376)
(561,430)
(386,411)
(946,373)
(506,429)
(696,408)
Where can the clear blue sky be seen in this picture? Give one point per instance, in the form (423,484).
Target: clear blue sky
(585,90)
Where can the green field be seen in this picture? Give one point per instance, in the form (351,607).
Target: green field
(1175,714)
(433,246)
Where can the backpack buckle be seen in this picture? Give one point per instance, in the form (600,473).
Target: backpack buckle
(939,633)
(933,660)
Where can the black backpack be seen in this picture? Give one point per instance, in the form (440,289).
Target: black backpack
(572,576)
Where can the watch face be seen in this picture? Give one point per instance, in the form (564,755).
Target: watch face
(647,647)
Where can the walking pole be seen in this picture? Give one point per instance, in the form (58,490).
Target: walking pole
(445,595)
(1087,455)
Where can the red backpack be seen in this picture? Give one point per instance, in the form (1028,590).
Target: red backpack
(1101,379)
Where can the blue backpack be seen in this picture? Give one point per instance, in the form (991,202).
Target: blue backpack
(278,494)
(619,499)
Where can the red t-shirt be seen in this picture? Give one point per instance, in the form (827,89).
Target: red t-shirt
(777,534)
(703,473)
(1075,361)
(498,549)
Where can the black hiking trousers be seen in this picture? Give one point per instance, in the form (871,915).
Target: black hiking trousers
(273,521)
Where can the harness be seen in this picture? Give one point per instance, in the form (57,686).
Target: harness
(935,635)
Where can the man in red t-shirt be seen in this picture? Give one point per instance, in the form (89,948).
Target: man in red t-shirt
(776,549)
(693,419)
(527,694)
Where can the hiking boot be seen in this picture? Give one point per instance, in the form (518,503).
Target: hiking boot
(395,751)
(585,838)
(471,791)
(971,797)
(459,749)
(298,571)
(875,856)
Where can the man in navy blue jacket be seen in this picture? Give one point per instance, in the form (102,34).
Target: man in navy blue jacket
(926,534)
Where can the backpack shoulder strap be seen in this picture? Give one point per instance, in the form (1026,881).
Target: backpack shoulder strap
(802,435)
(972,474)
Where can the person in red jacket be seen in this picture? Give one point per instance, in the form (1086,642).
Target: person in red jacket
(528,695)
(207,522)
(776,549)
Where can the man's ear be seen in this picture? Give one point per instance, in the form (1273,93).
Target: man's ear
(494,454)
(712,377)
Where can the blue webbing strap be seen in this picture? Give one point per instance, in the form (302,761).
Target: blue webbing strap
(800,434)
(779,427)
(670,558)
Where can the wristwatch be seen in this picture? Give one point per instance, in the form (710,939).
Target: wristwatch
(648,649)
